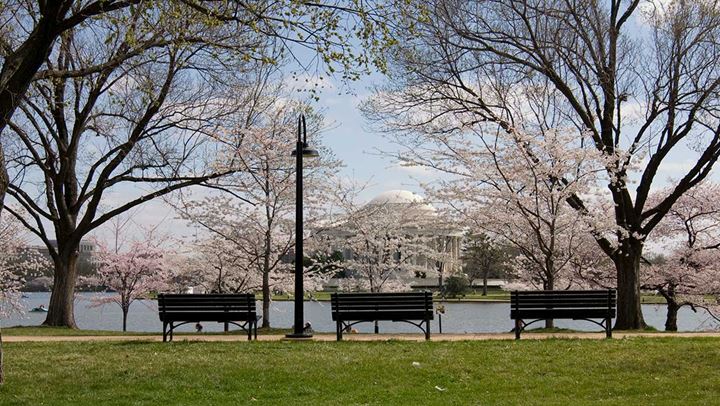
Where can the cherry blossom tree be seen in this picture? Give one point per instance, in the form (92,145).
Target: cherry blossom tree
(130,274)
(16,262)
(215,265)
(687,274)
(635,79)
(514,189)
(254,217)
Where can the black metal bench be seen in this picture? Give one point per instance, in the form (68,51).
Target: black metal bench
(349,309)
(223,308)
(563,304)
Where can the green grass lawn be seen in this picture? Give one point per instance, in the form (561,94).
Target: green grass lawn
(63,331)
(630,371)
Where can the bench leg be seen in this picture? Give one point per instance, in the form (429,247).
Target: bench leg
(164,332)
(255,323)
(338,330)
(608,328)
(518,324)
(377,328)
(171,331)
(427,329)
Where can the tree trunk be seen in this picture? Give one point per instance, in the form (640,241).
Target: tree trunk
(60,310)
(125,314)
(485,279)
(629,311)
(2,361)
(267,298)
(4,179)
(672,307)
(671,319)
(550,285)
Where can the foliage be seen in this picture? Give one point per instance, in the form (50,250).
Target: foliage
(687,274)
(456,285)
(130,275)
(248,231)
(321,373)
(484,258)
(16,262)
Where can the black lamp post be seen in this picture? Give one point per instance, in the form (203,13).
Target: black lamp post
(301,150)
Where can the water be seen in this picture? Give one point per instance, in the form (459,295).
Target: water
(469,317)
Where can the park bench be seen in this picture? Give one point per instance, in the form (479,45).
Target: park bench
(563,304)
(349,309)
(178,309)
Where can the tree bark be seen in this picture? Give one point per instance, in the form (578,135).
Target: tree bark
(4,179)
(485,280)
(672,307)
(266,281)
(2,361)
(550,285)
(671,319)
(266,300)
(60,309)
(629,311)
(125,314)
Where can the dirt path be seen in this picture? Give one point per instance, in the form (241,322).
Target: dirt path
(356,337)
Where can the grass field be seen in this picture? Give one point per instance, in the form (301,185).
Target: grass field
(62,331)
(629,371)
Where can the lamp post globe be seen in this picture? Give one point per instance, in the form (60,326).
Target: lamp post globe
(302,150)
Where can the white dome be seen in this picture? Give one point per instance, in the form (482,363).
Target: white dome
(404,197)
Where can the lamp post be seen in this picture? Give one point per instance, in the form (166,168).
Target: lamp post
(301,150)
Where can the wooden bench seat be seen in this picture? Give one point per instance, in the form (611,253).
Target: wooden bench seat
(563,304)
(178,309)
(349,309)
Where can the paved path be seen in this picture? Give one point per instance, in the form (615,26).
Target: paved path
(355,337)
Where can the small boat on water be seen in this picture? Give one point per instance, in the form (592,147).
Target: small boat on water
(39,309)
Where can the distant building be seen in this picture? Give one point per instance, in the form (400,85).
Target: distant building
(87,260)
(445,238)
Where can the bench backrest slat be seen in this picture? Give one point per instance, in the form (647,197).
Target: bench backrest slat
(352,306)
(563,301)
(210,303)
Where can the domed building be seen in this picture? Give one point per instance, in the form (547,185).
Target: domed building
(406,213)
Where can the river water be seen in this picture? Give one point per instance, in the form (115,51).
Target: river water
(459,317)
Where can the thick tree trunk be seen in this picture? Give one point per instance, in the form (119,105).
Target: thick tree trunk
(60,310)
(629,311)
(671,319)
